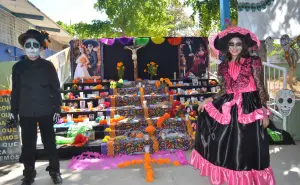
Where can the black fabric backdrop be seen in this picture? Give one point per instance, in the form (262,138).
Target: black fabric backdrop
(165,55)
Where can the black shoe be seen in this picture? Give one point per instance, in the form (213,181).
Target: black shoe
(27,181)
(56,178)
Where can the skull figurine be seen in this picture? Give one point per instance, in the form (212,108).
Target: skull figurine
(269,43)
(285,42)
(285,101)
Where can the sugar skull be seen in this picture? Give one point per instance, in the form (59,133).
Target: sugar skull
(241,6)
(258,6)
(285,101)
(247,7)
(269,43)
(263,5)
(253,7)
(285,42)
(268,2)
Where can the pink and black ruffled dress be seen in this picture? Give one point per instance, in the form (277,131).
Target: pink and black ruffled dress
(231,146)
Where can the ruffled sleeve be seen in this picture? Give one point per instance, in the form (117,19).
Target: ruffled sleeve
(221,83)
(258,78)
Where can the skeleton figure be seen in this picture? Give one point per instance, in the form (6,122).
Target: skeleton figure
(269,43)
(285,101)
(285,42)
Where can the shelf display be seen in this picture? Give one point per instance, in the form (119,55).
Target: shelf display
(123,120)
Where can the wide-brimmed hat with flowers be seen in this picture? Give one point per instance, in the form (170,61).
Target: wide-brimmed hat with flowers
(220,41)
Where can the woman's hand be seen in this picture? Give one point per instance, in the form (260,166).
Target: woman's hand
(201,106)
(265,122)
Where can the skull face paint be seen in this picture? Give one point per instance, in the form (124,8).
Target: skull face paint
(32,48)
(285,101)
(235,46)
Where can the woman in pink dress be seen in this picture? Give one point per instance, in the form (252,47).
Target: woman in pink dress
(231,144)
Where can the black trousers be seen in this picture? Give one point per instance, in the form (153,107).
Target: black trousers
(29,138)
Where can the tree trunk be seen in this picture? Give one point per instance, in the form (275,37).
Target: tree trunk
(292,70)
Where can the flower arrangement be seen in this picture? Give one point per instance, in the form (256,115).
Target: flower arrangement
(121,70)
(118,84)
(162,119)
(147,164)
(151,69)
(164,82)
(178,110)
(150,130)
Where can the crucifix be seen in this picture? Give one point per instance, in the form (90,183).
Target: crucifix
(134,48)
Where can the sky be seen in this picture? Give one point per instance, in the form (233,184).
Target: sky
(73,11)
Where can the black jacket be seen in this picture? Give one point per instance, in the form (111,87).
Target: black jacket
(35,88)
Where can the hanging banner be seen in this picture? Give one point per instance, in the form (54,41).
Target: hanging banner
(158,40)
(175,41)
(142,41)
(124,40)
(106,41)
(85,58)
(10,144)
(193,57)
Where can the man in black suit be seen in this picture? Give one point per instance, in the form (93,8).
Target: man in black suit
(189,52)
(35,98)
(92,55)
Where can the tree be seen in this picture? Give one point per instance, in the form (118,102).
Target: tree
(84,30)
(181,22)
(137,17)
(67,28)
(209,14)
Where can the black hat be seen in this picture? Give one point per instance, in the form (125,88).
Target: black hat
(32,34)
(92,42)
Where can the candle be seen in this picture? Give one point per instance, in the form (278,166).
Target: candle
(174,75)
(186,117)
(184,71)
(145,103)
(81,95)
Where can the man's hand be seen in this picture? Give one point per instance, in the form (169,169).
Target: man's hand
(12,121)
(56,118)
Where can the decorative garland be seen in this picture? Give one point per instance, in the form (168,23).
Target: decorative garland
(259,6)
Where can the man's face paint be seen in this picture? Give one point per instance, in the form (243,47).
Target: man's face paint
(32,48)
(235,46)
(90,47)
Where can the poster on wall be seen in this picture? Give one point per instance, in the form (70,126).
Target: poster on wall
(193,57)
(10,144)
(85,58)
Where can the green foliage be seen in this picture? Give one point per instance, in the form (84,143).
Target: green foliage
(137,17)
(180,22)
(277,51)
(209,14)
(68,28)
(84,30)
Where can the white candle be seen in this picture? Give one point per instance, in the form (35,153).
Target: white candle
(81,95)
(186,117)
(174,75)
(184,71)
(145,103)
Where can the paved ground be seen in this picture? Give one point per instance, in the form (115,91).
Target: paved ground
(285,161)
